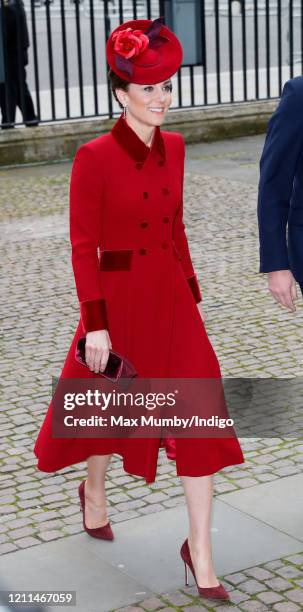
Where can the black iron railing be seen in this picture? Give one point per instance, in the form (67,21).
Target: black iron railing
(235,51)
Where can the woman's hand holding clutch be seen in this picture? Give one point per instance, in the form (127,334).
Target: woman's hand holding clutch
(97,348)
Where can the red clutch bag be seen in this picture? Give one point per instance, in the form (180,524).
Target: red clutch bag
(117,366)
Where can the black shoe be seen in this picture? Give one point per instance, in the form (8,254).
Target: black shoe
(32,123)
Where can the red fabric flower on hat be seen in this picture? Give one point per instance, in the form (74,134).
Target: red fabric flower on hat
(142,40)
(130,43)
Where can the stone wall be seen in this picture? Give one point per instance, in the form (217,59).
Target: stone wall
(59,141)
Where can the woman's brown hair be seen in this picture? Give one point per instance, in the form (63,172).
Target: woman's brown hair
(117,83)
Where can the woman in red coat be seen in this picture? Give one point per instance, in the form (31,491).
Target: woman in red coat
(138,295)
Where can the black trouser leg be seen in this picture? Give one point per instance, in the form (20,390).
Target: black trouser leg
(24,98)
(8,100)
(14,92)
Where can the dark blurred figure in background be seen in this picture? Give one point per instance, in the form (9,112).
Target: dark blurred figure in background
(14,92)
(1,53)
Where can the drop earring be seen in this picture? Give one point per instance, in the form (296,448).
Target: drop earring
(124,111)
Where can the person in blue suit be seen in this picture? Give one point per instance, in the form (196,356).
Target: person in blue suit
(280,197)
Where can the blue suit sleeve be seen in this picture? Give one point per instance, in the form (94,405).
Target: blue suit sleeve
(278,164)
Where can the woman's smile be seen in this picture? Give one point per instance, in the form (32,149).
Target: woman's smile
(157,110)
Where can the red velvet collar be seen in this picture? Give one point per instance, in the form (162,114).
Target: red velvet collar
(133,145)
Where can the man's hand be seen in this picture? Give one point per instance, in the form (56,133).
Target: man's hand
(97,347)
(282,286)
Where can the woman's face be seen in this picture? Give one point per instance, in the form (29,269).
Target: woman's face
(148,103)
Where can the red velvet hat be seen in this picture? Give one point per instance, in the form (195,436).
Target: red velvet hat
(144,51)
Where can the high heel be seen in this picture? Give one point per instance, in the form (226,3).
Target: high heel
(217,592)
(103,533)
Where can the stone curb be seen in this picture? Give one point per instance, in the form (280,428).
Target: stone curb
(59,141)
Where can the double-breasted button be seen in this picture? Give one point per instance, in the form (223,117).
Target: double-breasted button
(144,224)
(165,219)
(165,191)
(142,251)
(164,245)
(145,195)
(139,166)
(161,162)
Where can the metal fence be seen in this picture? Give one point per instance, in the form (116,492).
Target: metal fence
(235,51)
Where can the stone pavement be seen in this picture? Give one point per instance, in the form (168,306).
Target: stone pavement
(253,337)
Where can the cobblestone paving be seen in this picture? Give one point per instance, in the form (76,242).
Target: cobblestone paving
(276,585)
(253,337)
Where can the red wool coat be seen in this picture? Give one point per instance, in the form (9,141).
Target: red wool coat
(134,276)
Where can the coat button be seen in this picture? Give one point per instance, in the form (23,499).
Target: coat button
(145,195)
(165,219)
(144,223)
(142,251)
(139,166)
(164,245)
(161,162)
(165,191)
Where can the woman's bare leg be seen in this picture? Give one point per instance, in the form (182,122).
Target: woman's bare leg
(199,494)
(95,497)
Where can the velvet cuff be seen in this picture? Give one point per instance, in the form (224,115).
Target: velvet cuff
(93,315)
(195,289)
